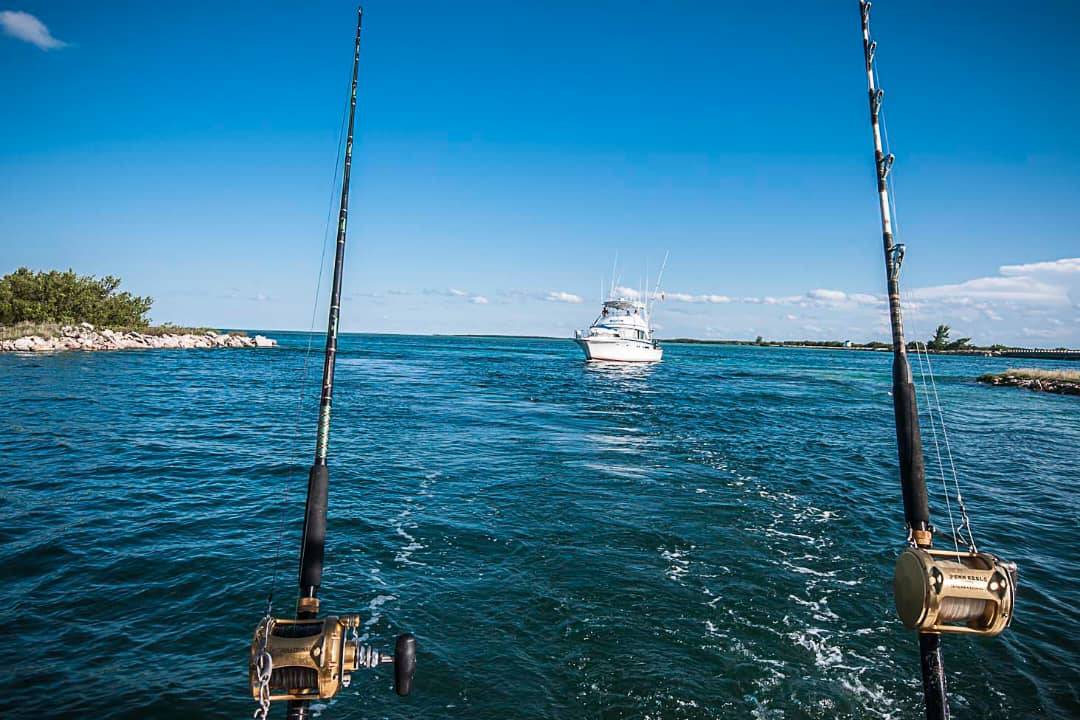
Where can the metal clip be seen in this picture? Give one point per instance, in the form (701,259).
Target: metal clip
(870,53)
(886,165)
(896,259)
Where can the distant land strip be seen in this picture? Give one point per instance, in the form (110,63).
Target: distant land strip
(1062,382)
(991,351)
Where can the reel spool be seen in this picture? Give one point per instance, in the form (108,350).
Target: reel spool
(938,591)
(313,659)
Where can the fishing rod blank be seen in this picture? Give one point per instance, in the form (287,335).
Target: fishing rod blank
(306,658)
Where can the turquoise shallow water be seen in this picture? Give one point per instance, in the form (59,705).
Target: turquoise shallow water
(709,537)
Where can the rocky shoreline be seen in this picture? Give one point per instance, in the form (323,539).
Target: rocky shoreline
(1042,384)
(85,337)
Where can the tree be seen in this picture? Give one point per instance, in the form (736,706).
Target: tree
(961,344)
(64,297)
(941,338)
(760,340)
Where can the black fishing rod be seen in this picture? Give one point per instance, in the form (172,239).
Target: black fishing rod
(307,658)
(935,591)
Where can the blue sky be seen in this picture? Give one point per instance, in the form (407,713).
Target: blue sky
(506,151)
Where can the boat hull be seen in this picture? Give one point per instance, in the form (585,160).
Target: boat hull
(615,350)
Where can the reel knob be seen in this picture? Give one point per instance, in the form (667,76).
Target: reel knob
(404,663)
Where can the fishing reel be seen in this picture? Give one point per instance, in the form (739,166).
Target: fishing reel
(313,659)
(940,591)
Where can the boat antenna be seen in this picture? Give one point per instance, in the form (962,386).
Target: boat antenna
(659,279)
(935,591)
(307,658)
(614,266)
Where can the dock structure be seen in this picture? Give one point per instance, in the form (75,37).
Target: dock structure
(1037,353)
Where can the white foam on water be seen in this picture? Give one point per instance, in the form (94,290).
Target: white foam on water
(373,612)
(404,553)
(773,532)
(803,570)
(679,565)
(820,607)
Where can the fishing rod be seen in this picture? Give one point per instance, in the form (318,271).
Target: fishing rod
(307,658)
(936,591)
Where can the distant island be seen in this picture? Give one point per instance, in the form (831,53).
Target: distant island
(55,311)
(940,344)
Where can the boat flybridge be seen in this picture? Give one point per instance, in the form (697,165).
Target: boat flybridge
(621,334)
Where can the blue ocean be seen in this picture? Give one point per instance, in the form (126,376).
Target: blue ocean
(709,537)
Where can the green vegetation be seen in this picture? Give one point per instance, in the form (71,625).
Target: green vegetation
(940,341)
(54,297)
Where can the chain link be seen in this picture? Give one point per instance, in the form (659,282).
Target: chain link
(264,667)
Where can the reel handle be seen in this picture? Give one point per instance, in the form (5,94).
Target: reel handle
(404,663)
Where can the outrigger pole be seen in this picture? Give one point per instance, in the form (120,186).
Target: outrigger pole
(936,591)
(310,658)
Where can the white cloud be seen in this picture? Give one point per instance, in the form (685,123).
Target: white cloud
(836,297)
(1064,265)
(1037,333)
(632,294)
(687,298)
(829,296)
(451,293)
(26,27)
(564,297)
(819,297)
(621,291)
(866,299)
(1053,282)
(1020,288)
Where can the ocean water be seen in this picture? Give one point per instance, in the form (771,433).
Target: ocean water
(710,537)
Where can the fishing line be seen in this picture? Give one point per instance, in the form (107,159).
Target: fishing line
(937,446)
(948,450)
(929,369)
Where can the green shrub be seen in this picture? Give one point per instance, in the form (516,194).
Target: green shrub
(64,297)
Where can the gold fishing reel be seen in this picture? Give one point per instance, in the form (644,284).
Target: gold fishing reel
(314,659)
(939,591)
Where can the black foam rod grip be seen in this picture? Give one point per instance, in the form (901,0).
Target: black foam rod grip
(404,663)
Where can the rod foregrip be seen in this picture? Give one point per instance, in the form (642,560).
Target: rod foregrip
(314,540)
(909,448)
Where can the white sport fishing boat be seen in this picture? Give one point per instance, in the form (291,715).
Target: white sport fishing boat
(621,334)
